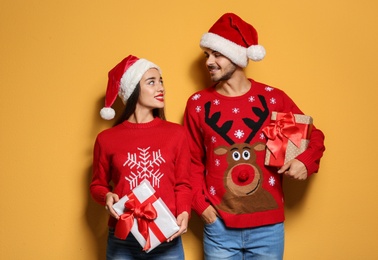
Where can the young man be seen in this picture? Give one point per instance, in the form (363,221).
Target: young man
(238,197)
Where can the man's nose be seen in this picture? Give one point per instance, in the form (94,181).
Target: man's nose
(210,60)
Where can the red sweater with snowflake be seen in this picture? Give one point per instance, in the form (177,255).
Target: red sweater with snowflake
(228,150)
(128,153)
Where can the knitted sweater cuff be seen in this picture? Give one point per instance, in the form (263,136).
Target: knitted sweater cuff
(307,160)
(199,206)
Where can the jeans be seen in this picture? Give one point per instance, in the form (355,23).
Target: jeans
(130,249)
(262,243)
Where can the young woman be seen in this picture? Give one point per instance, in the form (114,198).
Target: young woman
(141,146)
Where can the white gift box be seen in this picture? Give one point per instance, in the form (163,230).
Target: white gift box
(165,220)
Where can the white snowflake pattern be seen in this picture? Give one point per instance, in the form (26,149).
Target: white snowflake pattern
(239,134)
(196,96)
(235,110)
(272,181)
(145,167)
(268,88)
(217,162)
(251,99)
(198,109)
(212,190)
(262,136)
(216,102)
(213,139)
(272,100)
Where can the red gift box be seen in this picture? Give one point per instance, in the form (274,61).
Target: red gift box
(288,136)
(145,216)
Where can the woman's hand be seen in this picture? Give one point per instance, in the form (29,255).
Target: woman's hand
(110,199)
(182,222)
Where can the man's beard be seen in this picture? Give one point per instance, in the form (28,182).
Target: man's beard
(227,75)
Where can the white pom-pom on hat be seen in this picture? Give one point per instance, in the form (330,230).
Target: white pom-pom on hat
(107,113)
(256,52)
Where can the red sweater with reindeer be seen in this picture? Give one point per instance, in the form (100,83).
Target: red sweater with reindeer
(128,153)
(228,151)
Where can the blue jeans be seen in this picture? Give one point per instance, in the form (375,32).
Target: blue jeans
(262,243)
(130,249)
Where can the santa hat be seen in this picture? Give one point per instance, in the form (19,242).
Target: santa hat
(235,39)
(123,79)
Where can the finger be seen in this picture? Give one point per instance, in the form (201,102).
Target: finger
(108,207)
(283,169)
(113,213)
(173,236)
(288,174)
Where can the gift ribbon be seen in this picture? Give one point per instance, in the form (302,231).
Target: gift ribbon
(144,212)
(279,132)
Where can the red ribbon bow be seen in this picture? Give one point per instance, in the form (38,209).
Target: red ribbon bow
(145,213)
(279,132)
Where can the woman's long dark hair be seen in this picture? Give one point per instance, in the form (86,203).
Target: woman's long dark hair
(131,106)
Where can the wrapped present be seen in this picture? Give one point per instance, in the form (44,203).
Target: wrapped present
(145,216)
(288,136)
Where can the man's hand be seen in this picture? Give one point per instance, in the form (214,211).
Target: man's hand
(294,169)
(209,215)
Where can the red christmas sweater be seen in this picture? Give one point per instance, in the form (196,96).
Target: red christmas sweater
(128,153)
(228,150)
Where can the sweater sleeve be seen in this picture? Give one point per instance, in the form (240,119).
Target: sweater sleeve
(197,150)
(311,156)
(99,186)
(183,188)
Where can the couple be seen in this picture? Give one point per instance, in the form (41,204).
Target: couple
(214,164)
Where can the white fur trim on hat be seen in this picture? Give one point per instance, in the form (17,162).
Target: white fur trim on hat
(236,53)
(132,76)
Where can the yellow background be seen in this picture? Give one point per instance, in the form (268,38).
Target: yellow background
(55,56)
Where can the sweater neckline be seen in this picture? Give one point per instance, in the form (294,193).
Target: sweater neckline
(150,124)
(216,93)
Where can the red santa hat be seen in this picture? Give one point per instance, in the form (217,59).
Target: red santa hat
(235,39)
(123,79)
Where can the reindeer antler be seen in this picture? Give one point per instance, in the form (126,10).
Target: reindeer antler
(212,122)
(225,128)
(262,114)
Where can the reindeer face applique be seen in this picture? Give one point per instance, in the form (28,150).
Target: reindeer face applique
(243,178)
